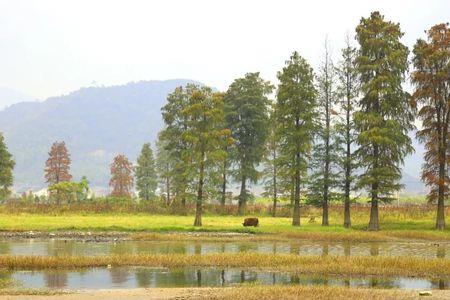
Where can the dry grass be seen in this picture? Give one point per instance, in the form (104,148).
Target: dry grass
(306,292)
(320,265)
(346,236)
(237,293)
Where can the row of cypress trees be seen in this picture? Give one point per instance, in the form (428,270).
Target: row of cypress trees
(324,137)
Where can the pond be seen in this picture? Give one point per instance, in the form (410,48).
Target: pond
(140,277)
(59,247)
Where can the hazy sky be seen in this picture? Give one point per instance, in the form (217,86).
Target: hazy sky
(53,47)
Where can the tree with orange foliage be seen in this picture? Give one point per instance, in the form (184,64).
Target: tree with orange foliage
(431,79)
(121,176)
(57,166)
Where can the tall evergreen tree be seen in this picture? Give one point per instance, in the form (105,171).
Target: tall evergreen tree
(247,116)
(121,180)
(146,178)
(204,137)
(271,161)
(6,169)
(347,93)
(296,100)
(431,79)
(323,163)
(57,166)
(385,115)
(176,146)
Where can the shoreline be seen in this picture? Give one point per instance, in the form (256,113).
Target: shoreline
(236,293)
(355,236)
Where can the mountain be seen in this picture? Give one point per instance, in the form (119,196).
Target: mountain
(9,96)
(96,123)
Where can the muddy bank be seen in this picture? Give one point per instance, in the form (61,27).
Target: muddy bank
(235,294)
(115,236)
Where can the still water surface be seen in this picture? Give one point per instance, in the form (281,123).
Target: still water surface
(58,247)
(139,277)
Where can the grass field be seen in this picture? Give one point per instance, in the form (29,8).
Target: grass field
(391,218)
(401,222)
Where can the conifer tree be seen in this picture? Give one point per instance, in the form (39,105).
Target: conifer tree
(146,178)
(347,93)
(177,148)
(431,78)
(204,137)
(246,116)
(385,115)
(323,180)
(57,166)
(121,180)
(6,169)
(296,100)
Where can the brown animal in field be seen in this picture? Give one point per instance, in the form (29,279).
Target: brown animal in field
(251,222)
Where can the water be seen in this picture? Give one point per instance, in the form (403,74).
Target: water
(143,277)
(139,277)
(59,247)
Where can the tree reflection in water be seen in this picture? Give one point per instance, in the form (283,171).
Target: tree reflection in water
(440,251)
(374,249)
(347,251)
(119,276)
(55,279)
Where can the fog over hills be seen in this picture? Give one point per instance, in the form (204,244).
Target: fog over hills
(97,123)
(9,96)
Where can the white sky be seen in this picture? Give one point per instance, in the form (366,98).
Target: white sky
(49,48)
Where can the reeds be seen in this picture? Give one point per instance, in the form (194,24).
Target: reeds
(307,292)
(321,265)
(346,236)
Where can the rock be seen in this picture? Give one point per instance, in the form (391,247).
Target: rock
(425,293)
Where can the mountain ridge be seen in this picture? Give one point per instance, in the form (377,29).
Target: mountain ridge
(95,122)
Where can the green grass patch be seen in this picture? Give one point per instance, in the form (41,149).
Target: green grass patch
(412,224)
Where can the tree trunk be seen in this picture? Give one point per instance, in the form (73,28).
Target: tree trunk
(199,204)
(167,186)
(183,205)
(243,196)
(325,187)
(326,175)
(374,224)
(275,189)
(440,217)
(325,211)
(347,220)
(224,187)
(292,186)
(296,216)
